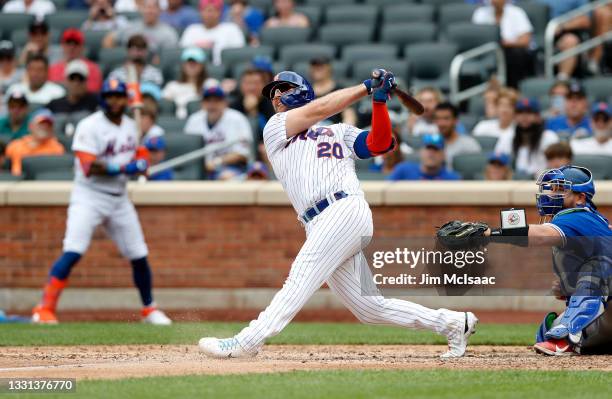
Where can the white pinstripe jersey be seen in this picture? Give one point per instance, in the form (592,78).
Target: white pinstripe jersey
(313,164)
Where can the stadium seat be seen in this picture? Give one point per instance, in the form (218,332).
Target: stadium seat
(35,167)
(455,12)
(66,19)
(10,22)
(239,68)
(535,87)
(60,4)
(345,34)
(405,34)
(93,42)
(193,106)
(7,176)
(469,165)
(179,144)
(171,124)
(388,2)
(218,72)
(599,88)
(487,143)
(325,3)
(438,3)
(233,56)
(283,36)
(599,165)
(364,175)
(476,106)
(430,63)
(20,37)
(313,13)
(469,121)
(358,14)
(56,175)
(405,13)
(363,165)
(538,13)
(339,69)
(467,35)
(358,52)
(65,140)
(166,107)
(415,142)
(401,68)
(305,52)
(111,58)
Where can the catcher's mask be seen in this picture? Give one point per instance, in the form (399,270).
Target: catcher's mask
(555,184)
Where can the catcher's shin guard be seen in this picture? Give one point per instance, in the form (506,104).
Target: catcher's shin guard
(581,311)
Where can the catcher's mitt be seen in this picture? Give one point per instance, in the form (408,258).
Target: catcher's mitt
(457,234)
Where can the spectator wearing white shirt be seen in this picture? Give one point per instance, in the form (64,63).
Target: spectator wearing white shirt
(601,141)
(102,16)
(192,78)
(516,34)
(212,33)
(217,123)
(39,8)
(504,123)
(38,89)
(528,142)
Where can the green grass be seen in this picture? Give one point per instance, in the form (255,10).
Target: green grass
(358,384)
(295,333)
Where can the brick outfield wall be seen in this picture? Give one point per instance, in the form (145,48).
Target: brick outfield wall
(197,246)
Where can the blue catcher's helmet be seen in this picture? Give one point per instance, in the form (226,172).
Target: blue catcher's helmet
(112,86)
(301,93)
(554,184)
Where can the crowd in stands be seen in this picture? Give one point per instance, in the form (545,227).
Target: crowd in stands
(202,65)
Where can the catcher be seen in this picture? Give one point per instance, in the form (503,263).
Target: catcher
(581,239)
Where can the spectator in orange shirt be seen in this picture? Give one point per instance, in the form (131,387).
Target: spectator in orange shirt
(73,47)
(40,141)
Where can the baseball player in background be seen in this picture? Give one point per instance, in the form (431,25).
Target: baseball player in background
(107,152)
(316,166)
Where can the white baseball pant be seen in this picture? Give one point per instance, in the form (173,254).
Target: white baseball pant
(333,253)
(89,208)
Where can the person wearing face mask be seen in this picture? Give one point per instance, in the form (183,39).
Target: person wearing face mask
(40,141)
(558,93)
(574,123)
(138,52)
(529,140)
(601,142)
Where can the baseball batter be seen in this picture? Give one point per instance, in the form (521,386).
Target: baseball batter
(315,165)
(107,152)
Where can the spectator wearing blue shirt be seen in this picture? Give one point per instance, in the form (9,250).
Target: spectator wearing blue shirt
(431,166)
(575,122)
(179,15)
(498,167)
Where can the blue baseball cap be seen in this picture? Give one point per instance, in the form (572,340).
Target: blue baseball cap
(500,158)
(433,140)
(193,53)
(150,89)
(262,63)
(601,108)
(155,143)
(527,105)
(213,91)
(258,169)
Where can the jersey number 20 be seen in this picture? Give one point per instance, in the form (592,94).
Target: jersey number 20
(327,150)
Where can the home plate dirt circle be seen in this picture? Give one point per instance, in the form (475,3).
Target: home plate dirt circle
(123,361)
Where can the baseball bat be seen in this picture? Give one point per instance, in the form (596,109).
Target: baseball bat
(404,97)
(135,98)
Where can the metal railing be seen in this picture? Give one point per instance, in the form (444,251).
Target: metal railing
(456,95)
(552,59)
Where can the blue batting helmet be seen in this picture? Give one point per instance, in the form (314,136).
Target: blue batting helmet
(301,92)
(112,86)
(554,184)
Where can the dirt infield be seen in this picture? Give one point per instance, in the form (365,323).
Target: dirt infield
(115,362)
